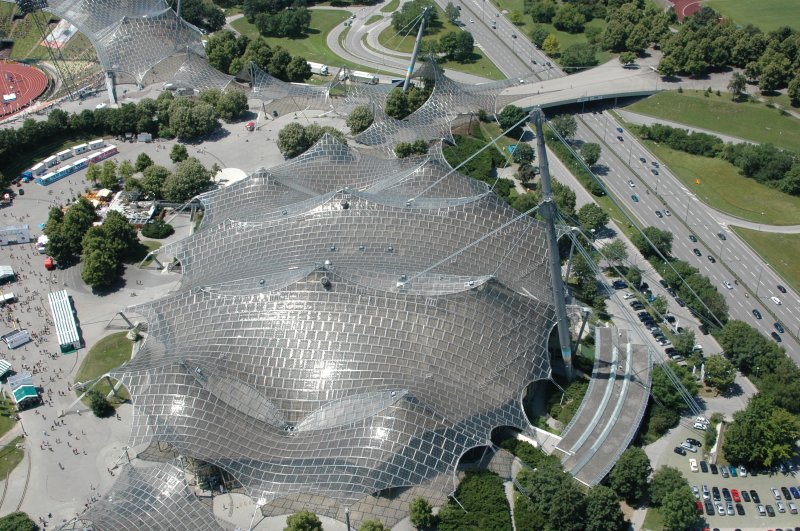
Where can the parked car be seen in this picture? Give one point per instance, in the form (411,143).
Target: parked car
(696,492)
(740,509)
(795,493)
(704,466)
(706,492)
(786,494)
(730,510)
(781,507)
(726,494)
(693,465)
(754,495)
(678,450)
(775,493)
(693,441)
(732,470)
(713,468)
(709,508)
(723,470)
(792,507)
(699,507)
(715,493)
(746,496)
(619,284)
(689,447)
(770,511)
(680,302)
(735,495)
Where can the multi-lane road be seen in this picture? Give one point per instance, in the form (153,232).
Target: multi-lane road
(753,282)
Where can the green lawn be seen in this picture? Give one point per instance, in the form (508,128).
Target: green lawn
(564,39)
(151,246)
(750,120)
(782,100)
(10,457)
(653,521)
(480,65)
(767,14)
(722,187)
(312,46)
(391,6)
(781,251)
(7,409)
(107,354)
(373,19)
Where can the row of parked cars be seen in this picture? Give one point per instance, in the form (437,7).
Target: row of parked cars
(729,502)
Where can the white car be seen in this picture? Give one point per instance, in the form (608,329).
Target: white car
(776,300)
(631,183)
(728,285)
(667,213)
(776,493)
(700,426)
(627,295)
(695,491)
(693,465)
(742,471)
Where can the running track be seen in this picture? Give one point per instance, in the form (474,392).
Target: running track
(27,82)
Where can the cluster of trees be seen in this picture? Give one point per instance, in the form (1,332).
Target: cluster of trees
(664,412)
(766,431)
(766,164)
(457,45)
(555,501)
(66,230)
(204,15)
(360,119)
(482,495)
(230,54)
(105,248)
(157,182)
(694,143)
(670,492)
(17,521)
(406,149)
(481,166)
(295,139)
(157,230)
(703,44)
(278,18)
(632,27)
(511,119)
(400,104)
(308,521)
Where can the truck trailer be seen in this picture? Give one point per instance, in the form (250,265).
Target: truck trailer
(361,77)
(318,68)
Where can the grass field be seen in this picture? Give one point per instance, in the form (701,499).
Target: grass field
(751,120)
(6,410)
(373,19)
(780,251)
(10,457)
(767,14)
(108,353)
(391,6)
(151,245)
(722,187)
(564,39)
(653,521)
(480,66)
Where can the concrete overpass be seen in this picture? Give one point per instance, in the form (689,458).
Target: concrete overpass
(606,81)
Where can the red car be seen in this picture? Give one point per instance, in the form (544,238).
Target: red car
(700,507)
(735,494)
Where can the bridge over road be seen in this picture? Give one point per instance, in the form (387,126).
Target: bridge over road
(606,81)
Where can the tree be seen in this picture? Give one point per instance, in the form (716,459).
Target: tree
(126,169)
(616,252)
(590,152)
(720,372)
(410,11)
(634,275)
(679,510)
(629,476)
(665,480)
(565,125)
(119,234)
(232,105)
(603,512)
(550,46)
(592,217)
(523,153)
(157,230)
(538,35)
(17,521)
(512,117)
(396,104)
(543,11)
(661,242)
(421,513)
(360,119)
(142,162)
(298,69)
(292,140)
(372,525)
(737,84)
(569,19)
(627,58)
(457,45)
(101,407)
(794,91)
(761,435)
(303,521)
(108,175)
(452,12)
(660,305)
(100,268)
(684,342)
(406,149)
(579,55)
(178,153)
(152,182)
(190,178)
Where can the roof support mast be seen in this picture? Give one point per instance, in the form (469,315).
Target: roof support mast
(548,211)
(425,12)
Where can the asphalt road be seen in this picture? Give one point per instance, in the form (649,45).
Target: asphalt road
(757,283)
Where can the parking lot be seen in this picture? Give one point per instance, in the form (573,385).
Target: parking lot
(761,483)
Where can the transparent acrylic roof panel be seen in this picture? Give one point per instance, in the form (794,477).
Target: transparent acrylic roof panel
(155,498)
(377,388)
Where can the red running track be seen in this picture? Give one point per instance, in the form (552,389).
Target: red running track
(27,82)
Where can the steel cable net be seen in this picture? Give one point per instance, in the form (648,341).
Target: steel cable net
(142,41)
(195,73)
(432,121)
(155,497)
(326,167)
(346,341)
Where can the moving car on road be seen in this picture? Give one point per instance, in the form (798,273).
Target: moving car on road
(697,252)
(756,314)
